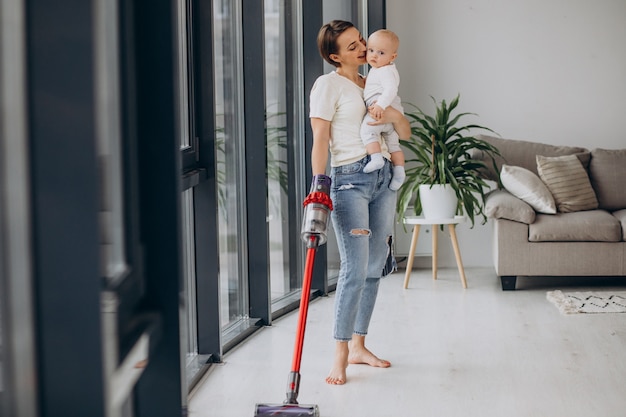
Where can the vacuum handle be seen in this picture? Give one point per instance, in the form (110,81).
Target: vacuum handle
(321,183)
(317,208)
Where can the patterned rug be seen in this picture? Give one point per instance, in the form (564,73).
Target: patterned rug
(588,301)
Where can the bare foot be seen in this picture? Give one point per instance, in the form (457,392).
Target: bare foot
(362,355)
(337,374)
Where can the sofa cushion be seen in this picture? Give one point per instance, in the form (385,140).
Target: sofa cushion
(607,172)
(527,186)
(522,153)
(620,215)
(581,226)
(568,182)
(501,204)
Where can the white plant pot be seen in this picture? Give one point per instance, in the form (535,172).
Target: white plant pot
(438,202)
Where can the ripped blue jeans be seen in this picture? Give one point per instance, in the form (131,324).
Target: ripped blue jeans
(363,217)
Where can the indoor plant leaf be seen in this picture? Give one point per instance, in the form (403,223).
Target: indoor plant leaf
(440,152)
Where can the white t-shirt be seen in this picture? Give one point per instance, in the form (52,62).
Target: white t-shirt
(337,99)
(382,86)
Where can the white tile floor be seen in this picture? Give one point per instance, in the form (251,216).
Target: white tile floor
(475,352)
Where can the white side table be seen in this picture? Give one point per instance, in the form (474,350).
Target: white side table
(417,222)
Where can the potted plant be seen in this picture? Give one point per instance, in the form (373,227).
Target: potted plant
(440,153)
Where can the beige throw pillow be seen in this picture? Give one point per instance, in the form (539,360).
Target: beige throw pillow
(501,204)
(568,182)
(527,186)
(607,173)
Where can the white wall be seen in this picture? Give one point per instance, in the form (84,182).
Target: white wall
(551,71)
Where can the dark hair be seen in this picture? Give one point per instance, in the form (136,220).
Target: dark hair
(327,39)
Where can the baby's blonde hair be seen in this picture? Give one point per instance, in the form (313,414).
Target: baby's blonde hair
(389,35)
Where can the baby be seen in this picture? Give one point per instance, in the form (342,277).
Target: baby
(381,90)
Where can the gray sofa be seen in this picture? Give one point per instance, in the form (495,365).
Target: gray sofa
(589,242)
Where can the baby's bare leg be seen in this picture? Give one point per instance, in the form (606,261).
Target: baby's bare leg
(372,148)
(397,158)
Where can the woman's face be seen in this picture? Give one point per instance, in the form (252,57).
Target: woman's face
(351,48)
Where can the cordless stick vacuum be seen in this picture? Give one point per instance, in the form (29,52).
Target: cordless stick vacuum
(317,208)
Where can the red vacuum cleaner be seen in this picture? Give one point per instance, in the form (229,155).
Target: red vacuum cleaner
(317,208)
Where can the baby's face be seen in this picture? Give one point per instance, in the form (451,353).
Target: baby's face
(381,51)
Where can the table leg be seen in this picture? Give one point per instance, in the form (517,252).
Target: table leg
(457,254)
(409,261)
(434,228)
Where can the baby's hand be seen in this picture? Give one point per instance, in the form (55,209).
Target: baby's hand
(376,111)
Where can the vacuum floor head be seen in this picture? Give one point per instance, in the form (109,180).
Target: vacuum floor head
(287,410)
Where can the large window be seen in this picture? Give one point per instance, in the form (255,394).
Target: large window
(285,145)
(229,151)
(171,230)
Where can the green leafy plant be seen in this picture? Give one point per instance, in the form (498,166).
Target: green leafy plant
(440,152)
(277,166)
(276,137)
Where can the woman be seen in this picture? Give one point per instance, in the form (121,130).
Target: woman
(364,205)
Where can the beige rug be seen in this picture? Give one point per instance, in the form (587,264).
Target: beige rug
(588,301)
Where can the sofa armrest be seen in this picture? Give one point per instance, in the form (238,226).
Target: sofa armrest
(500,204)
(621,216)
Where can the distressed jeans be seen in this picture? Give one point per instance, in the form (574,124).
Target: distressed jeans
(363,217)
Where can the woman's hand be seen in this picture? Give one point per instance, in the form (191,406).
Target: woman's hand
(400,123)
